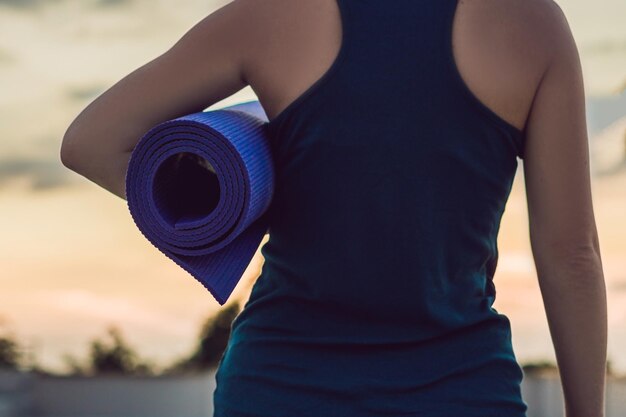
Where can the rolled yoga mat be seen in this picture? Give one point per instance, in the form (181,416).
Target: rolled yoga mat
(199,188)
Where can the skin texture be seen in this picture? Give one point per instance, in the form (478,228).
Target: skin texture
(517,56)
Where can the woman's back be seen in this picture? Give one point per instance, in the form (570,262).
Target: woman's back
(376,293)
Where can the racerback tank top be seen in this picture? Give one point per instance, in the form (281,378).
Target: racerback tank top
(375,297)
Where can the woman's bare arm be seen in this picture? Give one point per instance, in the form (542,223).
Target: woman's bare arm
(562,227)
(202,68)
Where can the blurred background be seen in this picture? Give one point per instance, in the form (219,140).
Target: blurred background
(74,268)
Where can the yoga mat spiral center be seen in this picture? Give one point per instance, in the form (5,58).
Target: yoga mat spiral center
(188,189)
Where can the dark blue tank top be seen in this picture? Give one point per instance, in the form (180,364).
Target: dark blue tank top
(375,298)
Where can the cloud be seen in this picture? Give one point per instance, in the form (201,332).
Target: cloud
(33,4)
(43,173)
(5,56)
(85,93)
(23,4)
(606,46)
(107,3)
(106,308)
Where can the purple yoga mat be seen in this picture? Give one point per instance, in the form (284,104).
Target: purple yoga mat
(208,219)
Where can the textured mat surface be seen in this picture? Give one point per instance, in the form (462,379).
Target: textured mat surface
(198,188)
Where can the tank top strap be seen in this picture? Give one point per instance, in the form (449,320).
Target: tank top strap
(380,40)
(346,11)
(451,73)
(391,53)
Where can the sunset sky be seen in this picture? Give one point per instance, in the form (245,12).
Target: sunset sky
(72,260)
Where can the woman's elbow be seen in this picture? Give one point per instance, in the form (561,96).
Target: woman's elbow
(77,154)
(70,153)
(80,151)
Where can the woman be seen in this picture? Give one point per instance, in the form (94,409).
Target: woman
(396,128)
